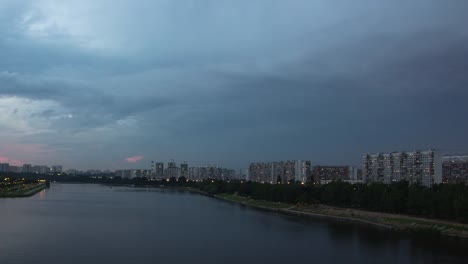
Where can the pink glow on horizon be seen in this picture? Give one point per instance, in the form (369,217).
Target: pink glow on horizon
(12,162)
(134,159)
(28,152)
(25,148)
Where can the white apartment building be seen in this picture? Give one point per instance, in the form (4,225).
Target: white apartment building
(424,167)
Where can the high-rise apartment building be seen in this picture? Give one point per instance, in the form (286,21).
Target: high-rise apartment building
(57,168)
(132,173)
(455,169)
(327,174)
(40,169)
(15,169)
(330,173)
(424,167)
(303,171)
(280,172)
(184,170)
(210,172)
(159,169)
(261,172)
(4,167)
(172,171)
(27,168)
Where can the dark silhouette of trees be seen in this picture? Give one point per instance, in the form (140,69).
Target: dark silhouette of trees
(182,180)
(442,201)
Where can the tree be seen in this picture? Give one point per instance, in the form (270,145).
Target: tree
(182,179)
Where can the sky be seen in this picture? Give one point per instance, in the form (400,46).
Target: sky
(116,84)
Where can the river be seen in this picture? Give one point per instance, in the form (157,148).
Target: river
(85,223)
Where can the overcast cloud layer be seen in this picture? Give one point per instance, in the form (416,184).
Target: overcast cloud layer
(116,84)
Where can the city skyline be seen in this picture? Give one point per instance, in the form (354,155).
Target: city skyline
(94,84)
(139,162)
(426,167)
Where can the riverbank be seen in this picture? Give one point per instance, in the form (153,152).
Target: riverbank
(381,220)
(24,192)
(387,221)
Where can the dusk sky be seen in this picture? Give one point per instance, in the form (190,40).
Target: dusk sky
(116,84)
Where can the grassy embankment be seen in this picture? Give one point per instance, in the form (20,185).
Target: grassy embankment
(253,202)
(383,220)
(23,191)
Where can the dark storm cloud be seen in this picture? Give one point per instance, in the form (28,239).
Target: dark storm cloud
(232,82)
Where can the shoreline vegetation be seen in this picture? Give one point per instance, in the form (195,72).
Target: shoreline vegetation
(394,222)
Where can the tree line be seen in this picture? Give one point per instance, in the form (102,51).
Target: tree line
(441,201)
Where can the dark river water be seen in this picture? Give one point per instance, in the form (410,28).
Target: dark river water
(79,223)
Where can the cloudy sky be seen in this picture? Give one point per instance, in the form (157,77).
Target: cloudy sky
(116,84)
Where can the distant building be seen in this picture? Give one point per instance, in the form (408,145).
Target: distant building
(303,171)
(359,175)
(158,169)
(455,169)
(124,174)
(235,175)
(280,171)
(261,172)
(184,170)
(194,173)
(4,167)
(40,169)
(130,174)
(57,168)
(94,172)
(241,175)
(325,174)
(227,174)
(15,169)
(27,168)
(74,172)
(424,167)
(171,171)
(210,172)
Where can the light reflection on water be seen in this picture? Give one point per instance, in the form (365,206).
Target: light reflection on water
(41,195)
(83,223)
